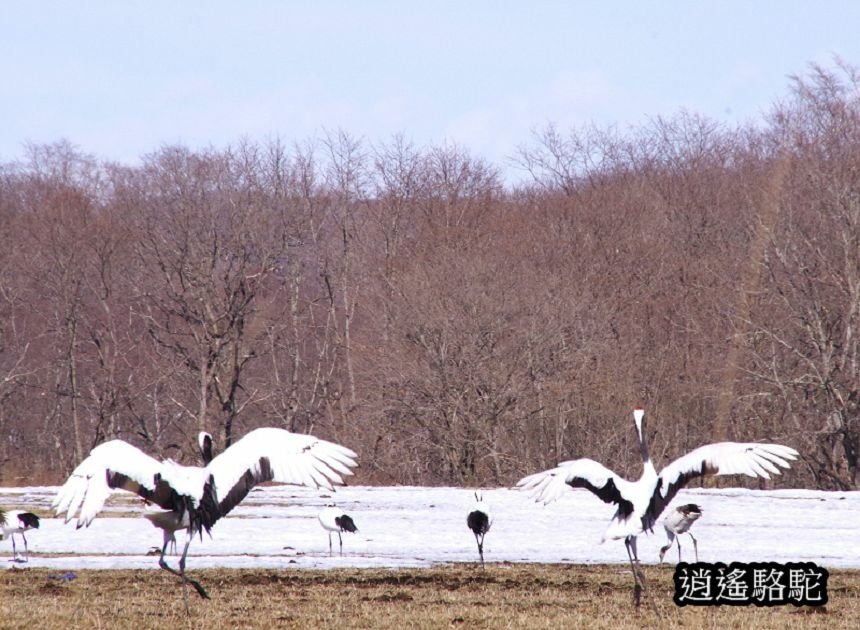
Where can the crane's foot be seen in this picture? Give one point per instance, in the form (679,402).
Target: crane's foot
(181,575)
(639,588)
(197,587)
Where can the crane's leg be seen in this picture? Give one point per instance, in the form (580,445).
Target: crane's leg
(26,550)
(679,549)
(169,541)
(480,540)
(200,590)
(671,536)
(161,562)
(638,578)
(340,541)
(638,575)
(329,543)
(14,549)
(695,546)
(181,573)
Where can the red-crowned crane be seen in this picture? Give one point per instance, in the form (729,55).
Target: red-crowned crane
(336,520)
(641,502)
(479,520)
(194,498)
(205,445)
(679,521)
(17,522)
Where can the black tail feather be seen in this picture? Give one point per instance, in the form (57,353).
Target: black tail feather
(478,522)
(28,519)
(345,523)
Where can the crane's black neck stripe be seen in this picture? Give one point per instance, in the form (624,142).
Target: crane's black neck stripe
(206,451)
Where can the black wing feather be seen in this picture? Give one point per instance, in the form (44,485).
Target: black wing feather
(659,500)
(608,493)
(246,482)
(163,496)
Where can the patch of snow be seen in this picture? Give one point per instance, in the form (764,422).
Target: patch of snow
(276,527)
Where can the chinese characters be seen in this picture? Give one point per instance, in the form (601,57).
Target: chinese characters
(759,583)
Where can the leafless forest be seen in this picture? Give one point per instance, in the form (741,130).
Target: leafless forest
(452,329)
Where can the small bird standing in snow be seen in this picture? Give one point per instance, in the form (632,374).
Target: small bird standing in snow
(479,521)
(17,522)
(334,520)
(679,521)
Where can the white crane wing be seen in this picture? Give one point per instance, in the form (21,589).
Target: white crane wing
(549,485)
(271,454)
(723,458)
(114,464)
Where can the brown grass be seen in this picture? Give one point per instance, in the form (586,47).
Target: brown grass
(459,596)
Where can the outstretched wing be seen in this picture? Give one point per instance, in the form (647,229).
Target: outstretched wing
(271,454)
(547,486)
(724,458)
(112,465)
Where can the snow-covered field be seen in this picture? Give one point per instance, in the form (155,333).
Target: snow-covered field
(276,527)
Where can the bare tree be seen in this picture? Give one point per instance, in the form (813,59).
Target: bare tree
(212,248)
(803,344)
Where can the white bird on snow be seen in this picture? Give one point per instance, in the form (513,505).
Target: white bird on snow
(479,520)
(335,520)
(679,521)
(194,498)
(17,522)
(641,502)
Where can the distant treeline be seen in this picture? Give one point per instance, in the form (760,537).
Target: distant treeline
(450,328)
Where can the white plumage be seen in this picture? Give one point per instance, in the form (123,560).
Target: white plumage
(679,521)
(196,497)
(17,522)
(640,503)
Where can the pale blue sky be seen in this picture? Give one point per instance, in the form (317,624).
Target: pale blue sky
(120,79)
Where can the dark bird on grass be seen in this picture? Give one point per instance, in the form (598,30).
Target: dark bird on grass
(679,521)
(641,502)
(479,521)
(193,497)
(17,522)
(335,520)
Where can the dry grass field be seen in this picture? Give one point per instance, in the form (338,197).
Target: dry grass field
(459,596)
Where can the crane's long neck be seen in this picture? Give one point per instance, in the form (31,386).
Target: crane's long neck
(204,441)
(643,449)
(639,419)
